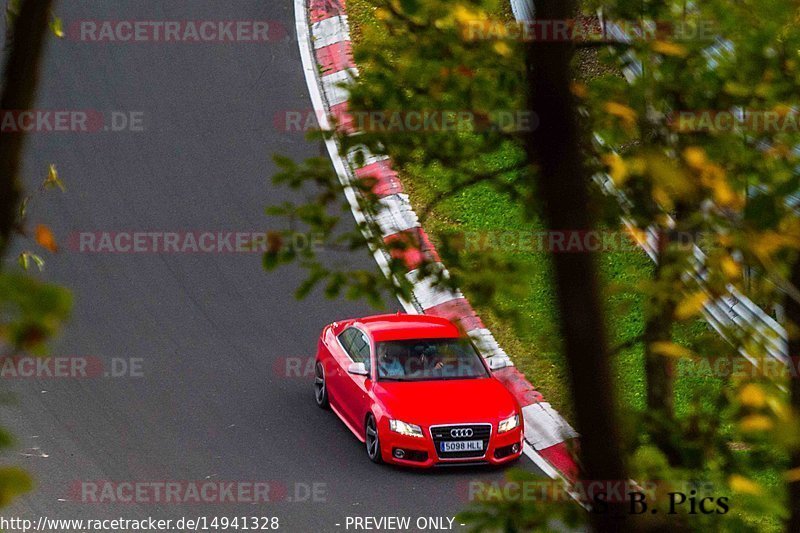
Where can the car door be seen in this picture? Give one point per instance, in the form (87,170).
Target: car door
(358,348)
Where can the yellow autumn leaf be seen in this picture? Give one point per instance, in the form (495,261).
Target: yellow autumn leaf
(725,196)
(45,238)
(52,179)
(730,268)
(781,410)
(783,109)
(744,485)
(691,305)
(669,49)
(792,476)
(502,48)
(767,244)
(695,157)
(736,89)
(638,235)
(627,114)
(662,198)
(465,15)
(57,27)
(752,395)
(670,349)
(578,89)
(617,168)
(754,423)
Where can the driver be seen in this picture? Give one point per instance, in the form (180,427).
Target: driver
(432,358)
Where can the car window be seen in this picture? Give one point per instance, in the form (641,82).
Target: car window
(429,359)
(345,338)
(356,344)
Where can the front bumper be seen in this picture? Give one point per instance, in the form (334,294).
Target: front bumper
(423,453)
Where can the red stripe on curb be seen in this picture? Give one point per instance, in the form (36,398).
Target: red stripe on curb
(386,178)
(458,311)
(418,248)
(324,9)
(515,381)
(335,57)
(344,120)
(561,457)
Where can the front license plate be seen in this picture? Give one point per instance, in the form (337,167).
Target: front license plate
(462,446)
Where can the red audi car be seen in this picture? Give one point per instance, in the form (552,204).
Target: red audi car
(416,392)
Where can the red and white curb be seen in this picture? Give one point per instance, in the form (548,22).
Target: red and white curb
(323,35)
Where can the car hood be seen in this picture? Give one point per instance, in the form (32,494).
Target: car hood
(446,401)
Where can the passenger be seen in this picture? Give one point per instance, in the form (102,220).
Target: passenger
(389,365)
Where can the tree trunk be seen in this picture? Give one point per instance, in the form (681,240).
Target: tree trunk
(563,186)
(658,367)
(793,319)
(20,80)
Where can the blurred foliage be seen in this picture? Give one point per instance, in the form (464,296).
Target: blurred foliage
(31,311)
(733,190)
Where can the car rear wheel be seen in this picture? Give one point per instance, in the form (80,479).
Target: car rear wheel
(320,387)
(372,441)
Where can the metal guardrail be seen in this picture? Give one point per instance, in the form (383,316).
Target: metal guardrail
(732,314)
(523,9)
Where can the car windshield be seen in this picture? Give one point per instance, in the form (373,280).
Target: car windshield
(428,359)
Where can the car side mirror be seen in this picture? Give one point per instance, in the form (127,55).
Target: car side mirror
(358,369)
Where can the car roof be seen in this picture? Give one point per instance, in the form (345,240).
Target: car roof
(403,327)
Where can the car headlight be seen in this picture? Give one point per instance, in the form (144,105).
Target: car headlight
(410,430)
(508,424)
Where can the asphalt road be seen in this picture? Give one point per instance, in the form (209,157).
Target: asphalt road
(211,330)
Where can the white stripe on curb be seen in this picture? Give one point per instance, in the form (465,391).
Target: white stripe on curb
(332,85)
(329,31)
(369,157)
(544,427)
(395,214)
(486,343)
(427,292)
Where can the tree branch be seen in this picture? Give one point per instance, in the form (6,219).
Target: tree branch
(21,78)
(462,186)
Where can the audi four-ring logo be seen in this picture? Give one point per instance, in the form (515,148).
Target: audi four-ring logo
(461,433)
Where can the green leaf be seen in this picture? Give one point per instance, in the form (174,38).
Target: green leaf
(271,261)
(13,482)
(56,27)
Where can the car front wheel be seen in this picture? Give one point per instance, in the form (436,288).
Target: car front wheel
(372,441)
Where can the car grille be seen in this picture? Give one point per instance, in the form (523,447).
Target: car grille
(461,432)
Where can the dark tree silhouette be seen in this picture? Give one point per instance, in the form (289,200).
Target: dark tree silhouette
(563,185)
(20,81)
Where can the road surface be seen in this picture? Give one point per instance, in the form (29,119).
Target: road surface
(211,330)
